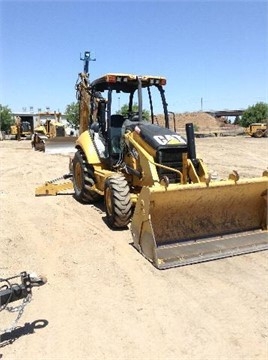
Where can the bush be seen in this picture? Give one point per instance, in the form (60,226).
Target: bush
(255,113)
(6,118)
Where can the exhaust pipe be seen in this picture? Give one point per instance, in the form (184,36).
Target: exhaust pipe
(191,143)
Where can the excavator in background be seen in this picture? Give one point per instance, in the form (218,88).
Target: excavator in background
(151,178)
(20,129)
(50,135)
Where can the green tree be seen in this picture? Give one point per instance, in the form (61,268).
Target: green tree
(237,120)
(135,108)
(6,118)
(72,114)
(255,113)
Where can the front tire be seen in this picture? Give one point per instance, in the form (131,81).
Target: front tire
(83,180)
(117,201)
(258,134)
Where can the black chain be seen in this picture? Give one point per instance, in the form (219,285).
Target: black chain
(19,308)
(64,177)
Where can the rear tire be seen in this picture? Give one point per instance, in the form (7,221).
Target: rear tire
(83,179)
(117,201)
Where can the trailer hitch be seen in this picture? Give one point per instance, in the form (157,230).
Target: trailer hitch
(10,292)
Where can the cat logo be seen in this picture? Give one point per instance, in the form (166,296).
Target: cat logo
(169,139)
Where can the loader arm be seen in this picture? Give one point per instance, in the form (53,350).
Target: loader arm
(149,165)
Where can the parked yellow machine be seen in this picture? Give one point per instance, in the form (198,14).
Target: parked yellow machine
(20,129)
(258,130)
(151,177)
(15,132)
(50,134)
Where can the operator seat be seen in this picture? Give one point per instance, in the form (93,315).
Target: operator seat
(135,118)
(116,126)
(98,139)
(117,120)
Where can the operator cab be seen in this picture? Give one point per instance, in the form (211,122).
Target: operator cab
(111,90)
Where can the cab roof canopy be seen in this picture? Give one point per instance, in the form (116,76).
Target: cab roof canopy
(125,82)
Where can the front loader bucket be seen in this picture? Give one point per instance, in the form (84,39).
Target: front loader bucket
(186,224)
(60,145)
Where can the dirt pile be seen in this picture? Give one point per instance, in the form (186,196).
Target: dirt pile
(201,120)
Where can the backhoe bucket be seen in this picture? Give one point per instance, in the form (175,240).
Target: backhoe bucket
(60,145)
(185,224)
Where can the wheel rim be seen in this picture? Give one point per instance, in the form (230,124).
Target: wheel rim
(78,176)
(108,201)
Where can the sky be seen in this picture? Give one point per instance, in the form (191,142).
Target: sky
(214,54)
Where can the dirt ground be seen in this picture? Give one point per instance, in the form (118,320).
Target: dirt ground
(103,300)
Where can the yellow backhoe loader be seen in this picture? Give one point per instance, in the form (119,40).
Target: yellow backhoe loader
(151,177)
(258,130)
(50,135)
(20,129)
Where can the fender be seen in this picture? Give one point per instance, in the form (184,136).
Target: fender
(86,144)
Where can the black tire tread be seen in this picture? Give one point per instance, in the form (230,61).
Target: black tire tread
(122,206)
(85,195)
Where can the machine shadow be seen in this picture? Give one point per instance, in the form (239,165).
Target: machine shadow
(28,328)
(100,208)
